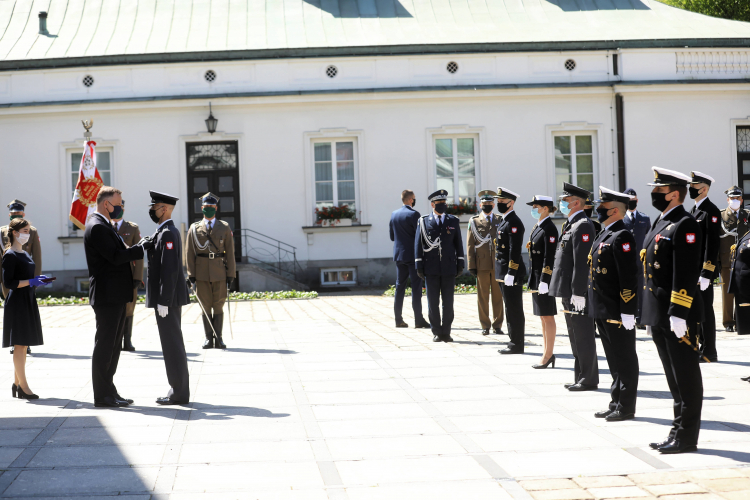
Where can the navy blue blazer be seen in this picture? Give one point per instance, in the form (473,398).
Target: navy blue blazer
(638,228)
(403,228)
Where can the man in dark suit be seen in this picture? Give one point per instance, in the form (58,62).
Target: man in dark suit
(403,228)
(167,292)
(110,289)
(638,224)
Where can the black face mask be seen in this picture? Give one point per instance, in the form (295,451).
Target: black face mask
(413,202)
(601,213)
(659,201)
(588,212)
(486,208)
(503,207)
(116,213)
(441,208)
(154,217)
(693,192)
(632,204)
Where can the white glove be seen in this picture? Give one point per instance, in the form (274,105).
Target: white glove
(704,282)
(678,325)
(579,303)
(162,310)
(628,321)
(508,280)
(543,287)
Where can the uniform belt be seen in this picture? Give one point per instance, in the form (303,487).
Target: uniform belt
(211,255)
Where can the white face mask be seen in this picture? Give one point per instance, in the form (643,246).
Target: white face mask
(23,238)
(734,204)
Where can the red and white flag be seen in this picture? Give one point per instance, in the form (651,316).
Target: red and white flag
(88,186)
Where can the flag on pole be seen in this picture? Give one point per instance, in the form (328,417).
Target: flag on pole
(88,186)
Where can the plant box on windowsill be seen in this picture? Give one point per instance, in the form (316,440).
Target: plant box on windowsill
(334,222)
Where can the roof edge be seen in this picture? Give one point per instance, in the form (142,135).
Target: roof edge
(377,50)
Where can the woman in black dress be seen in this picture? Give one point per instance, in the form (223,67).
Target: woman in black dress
(22,326)
(541,246)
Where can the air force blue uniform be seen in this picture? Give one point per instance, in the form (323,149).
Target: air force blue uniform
(403,229)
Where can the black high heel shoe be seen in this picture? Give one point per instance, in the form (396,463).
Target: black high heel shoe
(14,389)
(545,365)
(23,395)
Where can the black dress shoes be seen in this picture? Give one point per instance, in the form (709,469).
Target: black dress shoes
(603,414)
(109,402)
(422,324)
(401,324)
(582,387)
(499,331)
(436,339)
(618,416)
(746,379)
(510,350)
(121,399)
(447,338)
(729,328)
(569,385)
(167,401)
(656,446)
(485,331)
(677,446)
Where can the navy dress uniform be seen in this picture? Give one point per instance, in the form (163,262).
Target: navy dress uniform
(639,224)
(739,283)
(672,259)
(613,268)
(439,257)
(708,216)
(570,278)
(167,288)
(542,246)
(509,263)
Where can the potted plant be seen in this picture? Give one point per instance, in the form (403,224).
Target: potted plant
(335,216)
(464,209)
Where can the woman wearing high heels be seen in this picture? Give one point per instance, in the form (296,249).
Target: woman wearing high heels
(541,246)
(22,326)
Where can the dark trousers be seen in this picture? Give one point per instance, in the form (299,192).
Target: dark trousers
(406,270)
(110,319)
(437,286)
(619,348)
(581,333)
(175,357)
(708,327)
(515,320)
(742,314)
(639,295)
(683,373)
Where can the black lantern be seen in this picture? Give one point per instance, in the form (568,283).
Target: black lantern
(211,122)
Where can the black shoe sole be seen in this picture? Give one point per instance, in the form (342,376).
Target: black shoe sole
(109,405)
(620,419)
(676,451)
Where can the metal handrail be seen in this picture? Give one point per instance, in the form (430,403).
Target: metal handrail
(269,253)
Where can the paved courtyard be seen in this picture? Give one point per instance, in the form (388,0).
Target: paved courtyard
(324,398)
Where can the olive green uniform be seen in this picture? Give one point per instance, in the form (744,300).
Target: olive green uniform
(734,225)
(33,247)
(481,256)
(210,260)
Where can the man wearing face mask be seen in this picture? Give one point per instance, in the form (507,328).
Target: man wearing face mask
(110,290)
(211,268)
(166,293)
(131,235)
(17,210)
(672,307)
(734,225)
(638,224)
(439,257)
(481,238)
(570,283)
(708,216)
(612,291)
(589,210)
(510,268)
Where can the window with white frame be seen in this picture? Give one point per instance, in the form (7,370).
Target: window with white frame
(338,276)
(575,160)
(103,165)
(335,174)
(455,167)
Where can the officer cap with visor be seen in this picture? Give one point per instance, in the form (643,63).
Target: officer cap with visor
(506,193)
(666,177)
(157,197)
(606,195)
(700,178)
(486,195)
(439,195)
(210,199)
(542,200)
(16,206)
(571,190)
(733,192)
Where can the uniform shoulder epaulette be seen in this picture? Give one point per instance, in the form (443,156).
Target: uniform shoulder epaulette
(451,215)
(579,222)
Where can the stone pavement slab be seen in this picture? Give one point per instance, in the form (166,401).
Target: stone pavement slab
(325,399)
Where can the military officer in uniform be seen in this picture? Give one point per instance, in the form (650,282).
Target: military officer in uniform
(211,267)
(167,292)
(589,210)
(638,224)
(734,225)
(708,216)
(612,301)
(131,235)
(480,254)
(510,268)
(672,310)
(16,210)
(439,257)
(570,282)
(739,282)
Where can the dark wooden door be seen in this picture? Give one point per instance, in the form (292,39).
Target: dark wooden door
(214,167)
(743,160)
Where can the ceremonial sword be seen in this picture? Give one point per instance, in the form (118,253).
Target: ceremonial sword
(229,309)
(210,323)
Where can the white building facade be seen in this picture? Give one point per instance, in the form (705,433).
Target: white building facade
(366,104)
